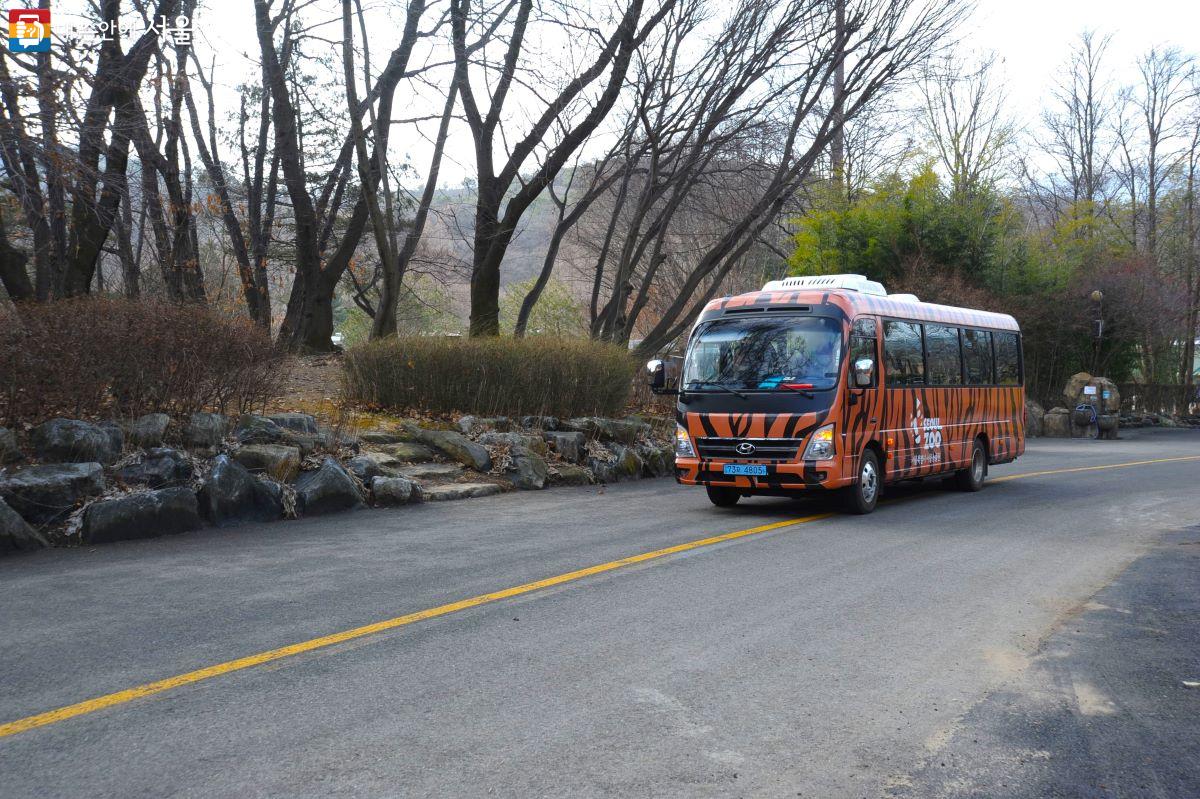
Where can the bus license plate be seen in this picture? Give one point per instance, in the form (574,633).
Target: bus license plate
(748,469)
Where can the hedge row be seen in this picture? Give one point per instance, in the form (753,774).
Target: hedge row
(491,376)
(118,357)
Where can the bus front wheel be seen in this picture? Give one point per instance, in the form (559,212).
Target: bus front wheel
(723,497)
(862,495)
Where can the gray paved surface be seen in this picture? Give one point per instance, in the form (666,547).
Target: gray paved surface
(845,657)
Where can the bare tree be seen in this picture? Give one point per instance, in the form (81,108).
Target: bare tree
(1076,124)
(965,120)
(42,172)
(735,138)
(308,322)
(503,194)
(394,257)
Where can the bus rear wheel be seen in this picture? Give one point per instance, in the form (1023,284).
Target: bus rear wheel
(862,496)
(971,478)
(723,497)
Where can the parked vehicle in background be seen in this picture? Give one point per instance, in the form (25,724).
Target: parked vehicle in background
(831,383)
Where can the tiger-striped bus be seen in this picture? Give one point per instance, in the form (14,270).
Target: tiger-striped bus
(832,383)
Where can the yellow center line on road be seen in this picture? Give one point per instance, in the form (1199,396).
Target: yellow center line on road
(1092,468)
(178,681)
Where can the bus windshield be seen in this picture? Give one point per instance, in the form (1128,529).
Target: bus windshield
(764,354)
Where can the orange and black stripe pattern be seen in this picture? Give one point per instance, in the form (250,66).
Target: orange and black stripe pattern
(920,430)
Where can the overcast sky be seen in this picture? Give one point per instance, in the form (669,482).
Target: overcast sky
(1032,37)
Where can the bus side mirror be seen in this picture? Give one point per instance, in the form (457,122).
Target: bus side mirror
(656,375)
(864,372)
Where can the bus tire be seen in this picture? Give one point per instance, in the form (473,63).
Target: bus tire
(723,497)
(861,496)
(971,478)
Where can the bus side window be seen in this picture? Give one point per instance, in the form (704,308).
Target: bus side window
(977,357)
(1008,359)
(942,354)
(864,326)
(904,353)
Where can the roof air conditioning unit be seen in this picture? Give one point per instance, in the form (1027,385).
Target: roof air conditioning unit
(828,283)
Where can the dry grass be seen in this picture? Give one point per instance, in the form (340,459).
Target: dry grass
(490,376)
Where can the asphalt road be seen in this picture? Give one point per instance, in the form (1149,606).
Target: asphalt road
(1031,639)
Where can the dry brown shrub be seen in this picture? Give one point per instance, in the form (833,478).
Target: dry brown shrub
(110,356)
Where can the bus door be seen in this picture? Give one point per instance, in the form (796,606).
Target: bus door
(863,414)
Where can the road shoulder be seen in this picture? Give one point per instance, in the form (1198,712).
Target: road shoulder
(1103,710)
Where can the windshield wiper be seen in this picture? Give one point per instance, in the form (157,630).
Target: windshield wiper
(719,385)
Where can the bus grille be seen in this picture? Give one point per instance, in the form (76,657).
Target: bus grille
(766,450)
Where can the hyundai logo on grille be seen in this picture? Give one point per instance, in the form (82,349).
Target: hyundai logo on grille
(745,448)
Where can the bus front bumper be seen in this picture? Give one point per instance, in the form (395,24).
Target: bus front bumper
(780,477)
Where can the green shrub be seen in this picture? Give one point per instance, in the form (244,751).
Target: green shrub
(105,356)
(490,376)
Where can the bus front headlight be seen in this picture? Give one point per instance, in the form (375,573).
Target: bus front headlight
(820,446)
(683,443)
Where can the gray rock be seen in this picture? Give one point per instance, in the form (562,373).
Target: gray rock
(278,461)
(296,422)
(365,469)
(1110,403)
(158,468)
(528,470)
(568,444)
(328,489)
(432,471)
(477,424)
(205,432)
(15,533)
(624,431)
(451,491)
(116,435)
(1057,423)
(253,429)
(1034,414)
(408,451)
(73,441)
(383,437)
(9,451)
(231,495)
(48,493)
(539,422)
(656,461)
(457,447)
(629,463)
(603,471)
(568,474)
(385,464)
(149,430)
(516,441)
(1073,391)
(164,512)
(395,491)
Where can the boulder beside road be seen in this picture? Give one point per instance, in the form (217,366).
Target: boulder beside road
(15,533)
(231,495)
(75,441)
(9,451)
(1057,423)
(279,461)
(47,494)
(159,467)
(328,489)
(1034,414)
(149,515)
